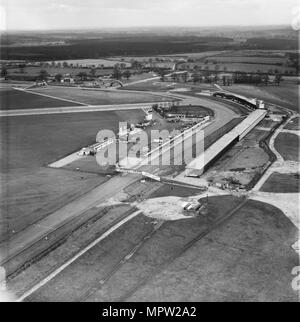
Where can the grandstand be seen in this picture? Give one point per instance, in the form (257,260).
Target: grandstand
(196,167)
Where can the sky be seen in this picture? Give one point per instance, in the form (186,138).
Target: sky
(77,14)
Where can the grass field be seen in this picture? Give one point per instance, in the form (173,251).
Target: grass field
(98,97)
(247,258)
(281,182)
(35,71)
(271,60)
(240,67)
(15,99)
(92,62)
(30,142)
(288,146)
(153,85)
(286,95)
(200,111)
(294,124)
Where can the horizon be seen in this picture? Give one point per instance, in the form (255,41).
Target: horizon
(116,28)
(34,15)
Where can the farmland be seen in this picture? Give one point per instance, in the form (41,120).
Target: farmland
(30,143)
(32,72)
(240,67)
(91,62)
(268,60)
(286,95)
(99,97)
(248,61)
(15,99)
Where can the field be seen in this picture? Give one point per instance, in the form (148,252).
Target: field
(92,62)
(99,97)
(294,124)
(171,57)
(288,146)
(153,85)
(15,99)
(157,85)
(269,60)
(231,263)
(34,71)
(281,182)
(30,142)
(244,61)
(240,67)
(286,95)
(200,111)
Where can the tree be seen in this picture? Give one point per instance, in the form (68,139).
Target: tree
(162,74)
(127,74)
(278,79)
(65,64)
(257,79)
(217,67)
(136,65)
(58,77)
(82,75)
(195,78)
(21,67)
(224,80)
(265,79)
(116,73)
(43,74)
(4,71)
(185,77)
(93,72)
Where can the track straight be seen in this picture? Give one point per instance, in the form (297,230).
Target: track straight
(74,258)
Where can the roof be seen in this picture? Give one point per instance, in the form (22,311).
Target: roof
(211,152)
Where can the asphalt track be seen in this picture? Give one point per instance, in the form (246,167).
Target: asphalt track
(35,232)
